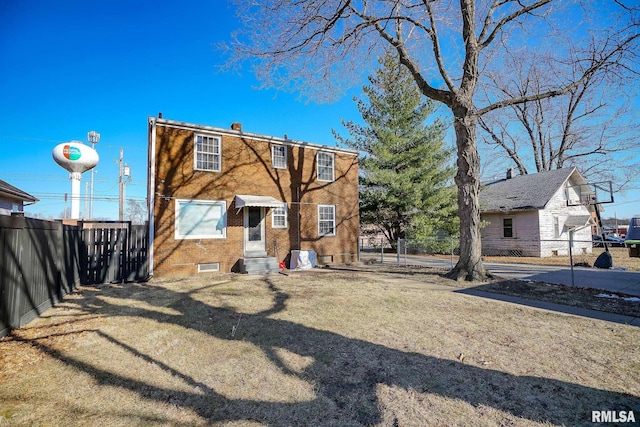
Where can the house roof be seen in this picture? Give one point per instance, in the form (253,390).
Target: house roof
(236,130)
(525,192)
(13,193)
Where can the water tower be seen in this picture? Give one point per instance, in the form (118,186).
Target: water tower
(77,158)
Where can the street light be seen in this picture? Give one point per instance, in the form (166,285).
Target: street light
(93,137)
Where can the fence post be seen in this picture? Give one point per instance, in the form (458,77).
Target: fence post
(571,256)
(381,250)
(451,257)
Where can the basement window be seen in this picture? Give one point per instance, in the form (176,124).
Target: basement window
(208,267)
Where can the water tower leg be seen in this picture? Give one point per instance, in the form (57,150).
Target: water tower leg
(75,194)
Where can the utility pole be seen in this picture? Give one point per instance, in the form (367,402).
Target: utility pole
(121,190)
(93,137)
(125,172)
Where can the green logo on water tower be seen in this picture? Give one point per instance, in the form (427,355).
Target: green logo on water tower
(71,153)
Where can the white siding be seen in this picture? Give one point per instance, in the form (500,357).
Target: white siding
(559,245)
(534,232)
(525,240)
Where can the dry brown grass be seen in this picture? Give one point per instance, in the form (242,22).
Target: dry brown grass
(313,348)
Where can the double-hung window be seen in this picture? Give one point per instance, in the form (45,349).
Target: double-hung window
(325,166)
(326,220)
(507,227)
(201,219)
(279,217)
(279,156)
(207,153)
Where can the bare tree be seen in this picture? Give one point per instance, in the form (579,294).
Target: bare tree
(585,127)
(449,48)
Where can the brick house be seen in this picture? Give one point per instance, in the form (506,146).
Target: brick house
(226,200)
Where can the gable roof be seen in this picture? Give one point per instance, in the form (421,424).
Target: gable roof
(525,192)
(13,193)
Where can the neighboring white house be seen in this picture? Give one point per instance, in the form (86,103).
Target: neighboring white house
(12,199)
(528,215)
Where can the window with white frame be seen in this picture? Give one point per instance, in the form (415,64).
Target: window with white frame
(556,227)
(279,156)
(325,166)
(207,153)
(326,220)
(279,217)
(201,219)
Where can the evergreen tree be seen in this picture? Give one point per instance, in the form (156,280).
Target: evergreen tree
(406,171)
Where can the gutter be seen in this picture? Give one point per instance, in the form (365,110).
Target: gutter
(151,183)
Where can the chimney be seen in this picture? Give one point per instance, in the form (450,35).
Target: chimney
(236,126)
(509,173)
(160,115)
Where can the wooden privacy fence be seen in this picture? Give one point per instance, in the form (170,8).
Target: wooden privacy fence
(41,261)
(115,252)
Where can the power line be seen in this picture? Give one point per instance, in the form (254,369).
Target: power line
(58,141)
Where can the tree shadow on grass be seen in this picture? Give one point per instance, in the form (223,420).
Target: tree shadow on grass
(346,372)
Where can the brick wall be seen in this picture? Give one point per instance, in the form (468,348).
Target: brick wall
(247,169)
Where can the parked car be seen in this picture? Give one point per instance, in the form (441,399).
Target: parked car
(612,241)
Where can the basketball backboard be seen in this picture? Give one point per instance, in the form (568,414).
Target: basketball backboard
(589,194)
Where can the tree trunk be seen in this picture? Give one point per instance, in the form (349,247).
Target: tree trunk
(469,266)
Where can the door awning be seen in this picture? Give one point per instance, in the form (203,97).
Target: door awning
(575,222)
(243,200)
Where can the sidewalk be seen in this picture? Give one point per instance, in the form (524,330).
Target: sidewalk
(627,282)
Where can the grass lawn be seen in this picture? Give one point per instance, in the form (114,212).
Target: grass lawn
(336,348)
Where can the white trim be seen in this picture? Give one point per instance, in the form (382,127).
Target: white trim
(333,166)
(223,218)
(333,207)
(151,185)
(217,138)
(273,217)
(273,163)
(208,267)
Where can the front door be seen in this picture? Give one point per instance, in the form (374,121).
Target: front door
(254,236)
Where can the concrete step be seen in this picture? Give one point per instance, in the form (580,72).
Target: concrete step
(262,265)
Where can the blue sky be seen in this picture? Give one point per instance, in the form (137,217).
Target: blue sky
(69,67)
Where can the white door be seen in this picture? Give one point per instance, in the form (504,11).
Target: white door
(254,236)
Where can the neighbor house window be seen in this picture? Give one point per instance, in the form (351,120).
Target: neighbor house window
(207,152)
(279,156)
(556,227)
(201,219)
(279,217)
(326,220)
(507,227)
(325,166)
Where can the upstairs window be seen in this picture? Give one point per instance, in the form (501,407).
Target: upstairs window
(325,166)
(279,156)
(207,153)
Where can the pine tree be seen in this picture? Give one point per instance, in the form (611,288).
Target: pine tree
(406,171)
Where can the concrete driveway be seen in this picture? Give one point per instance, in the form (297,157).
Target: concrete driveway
(627,282)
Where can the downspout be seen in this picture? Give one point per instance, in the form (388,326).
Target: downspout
(151,185)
